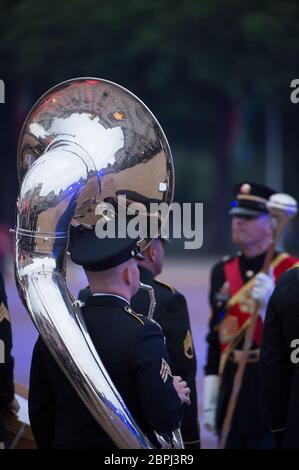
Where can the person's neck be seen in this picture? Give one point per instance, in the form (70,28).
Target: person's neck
(251,251)
(148,267)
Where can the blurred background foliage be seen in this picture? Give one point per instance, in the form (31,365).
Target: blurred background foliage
(216,73)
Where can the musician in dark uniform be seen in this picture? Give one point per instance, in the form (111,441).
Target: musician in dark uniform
(280,360)
(130,346)
(236,283)
(7,400)
(171,312)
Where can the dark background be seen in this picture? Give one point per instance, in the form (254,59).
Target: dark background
(215,73)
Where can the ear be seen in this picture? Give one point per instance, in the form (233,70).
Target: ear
(152,251)
(127,275)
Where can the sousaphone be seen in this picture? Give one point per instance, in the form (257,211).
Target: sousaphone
(86,141)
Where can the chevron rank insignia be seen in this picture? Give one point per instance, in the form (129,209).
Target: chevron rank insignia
(188,345)
(165,370)
(3,313)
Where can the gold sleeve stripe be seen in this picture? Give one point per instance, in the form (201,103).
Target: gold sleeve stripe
(3,313)
(188,345)
(165,370)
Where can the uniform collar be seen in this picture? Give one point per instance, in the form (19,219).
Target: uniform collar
(107,300)
(254,259)
(255,263)
(145,273)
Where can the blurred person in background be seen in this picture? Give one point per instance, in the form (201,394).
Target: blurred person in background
(280,359)
(236,285)
(7,398)
(5,245)
(171,312)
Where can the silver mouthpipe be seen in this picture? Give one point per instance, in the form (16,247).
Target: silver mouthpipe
(152,297)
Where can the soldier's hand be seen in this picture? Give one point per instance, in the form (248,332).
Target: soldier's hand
(13,406)
(182,389)
(262,290)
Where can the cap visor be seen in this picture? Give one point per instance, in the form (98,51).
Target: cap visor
(245,211)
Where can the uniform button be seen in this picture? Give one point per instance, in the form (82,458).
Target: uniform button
(249,273)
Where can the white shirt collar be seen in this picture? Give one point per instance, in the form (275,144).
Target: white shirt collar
(101,294)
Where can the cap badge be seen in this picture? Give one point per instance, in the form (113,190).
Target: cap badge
(245,188)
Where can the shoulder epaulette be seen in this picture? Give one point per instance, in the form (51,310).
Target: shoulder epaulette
(165,285)
(155,323)
(133,314)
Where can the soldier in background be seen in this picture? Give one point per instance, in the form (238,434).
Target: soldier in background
(236,285)
(7,400)
(171,312)
(280,359)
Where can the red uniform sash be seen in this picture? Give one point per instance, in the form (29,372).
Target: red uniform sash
(240,305)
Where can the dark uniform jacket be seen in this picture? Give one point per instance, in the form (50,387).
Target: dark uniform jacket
(281,374)
(171,313)
(251,415)
(6,367)
(132,349)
